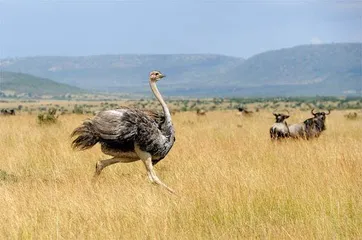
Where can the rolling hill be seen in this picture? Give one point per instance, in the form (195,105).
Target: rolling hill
(124,73)
(19,83)
(323,69)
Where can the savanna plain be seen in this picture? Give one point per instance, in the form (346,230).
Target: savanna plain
(231,180)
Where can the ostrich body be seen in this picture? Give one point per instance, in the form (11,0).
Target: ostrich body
(130,134)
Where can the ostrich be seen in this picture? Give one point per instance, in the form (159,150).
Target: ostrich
(130,134)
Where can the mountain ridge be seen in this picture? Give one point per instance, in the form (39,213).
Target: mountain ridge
(331,69)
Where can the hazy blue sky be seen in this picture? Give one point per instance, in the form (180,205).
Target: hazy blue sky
(231,27)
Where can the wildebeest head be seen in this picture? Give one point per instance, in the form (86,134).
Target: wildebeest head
(320,115)
(317,121)
(280,117)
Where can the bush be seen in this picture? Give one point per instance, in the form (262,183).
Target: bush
(7,177)
(351,115)
(78,109)
(49,117)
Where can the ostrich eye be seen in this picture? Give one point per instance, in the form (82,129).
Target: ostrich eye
(156,74)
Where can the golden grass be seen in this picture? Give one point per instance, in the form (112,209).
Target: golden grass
(232,182)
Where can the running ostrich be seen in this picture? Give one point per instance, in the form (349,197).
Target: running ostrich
(130,134)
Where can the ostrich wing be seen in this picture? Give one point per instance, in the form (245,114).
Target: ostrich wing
(123,123)
(158,117)
(121,129)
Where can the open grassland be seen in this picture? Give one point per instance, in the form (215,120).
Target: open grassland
(34,106)
(232,183)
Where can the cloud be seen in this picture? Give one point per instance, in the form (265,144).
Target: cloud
(315,40)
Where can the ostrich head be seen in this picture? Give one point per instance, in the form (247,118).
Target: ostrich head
(156,75)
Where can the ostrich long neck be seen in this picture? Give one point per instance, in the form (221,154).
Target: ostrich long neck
(163,104)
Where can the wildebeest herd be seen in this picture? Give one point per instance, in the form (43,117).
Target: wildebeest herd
(310,128)
(6,112)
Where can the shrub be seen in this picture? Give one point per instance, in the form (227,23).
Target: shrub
(78,109)
(351,115)
(49,117)
(7,177)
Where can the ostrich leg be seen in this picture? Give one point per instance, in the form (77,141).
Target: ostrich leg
(147,161)
(105,163)
(152,175)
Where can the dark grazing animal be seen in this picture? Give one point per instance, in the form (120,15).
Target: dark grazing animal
(244,112)
(310,128)
(130,134)
(280,127)
(6,112)
(174,111)
(200,112)
(241,109)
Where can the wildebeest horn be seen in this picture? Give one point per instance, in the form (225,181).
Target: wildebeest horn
(312,111)
(329,111)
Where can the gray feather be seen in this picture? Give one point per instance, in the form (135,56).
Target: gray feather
(86,136)
(121,129)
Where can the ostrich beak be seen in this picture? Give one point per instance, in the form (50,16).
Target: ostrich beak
(162,76)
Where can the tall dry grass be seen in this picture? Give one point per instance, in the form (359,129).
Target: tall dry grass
(232,182)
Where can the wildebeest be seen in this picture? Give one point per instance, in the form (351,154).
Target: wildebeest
(200,112)
(244,112)
(174,111)
(280,127)
(310,128)
(6,112)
